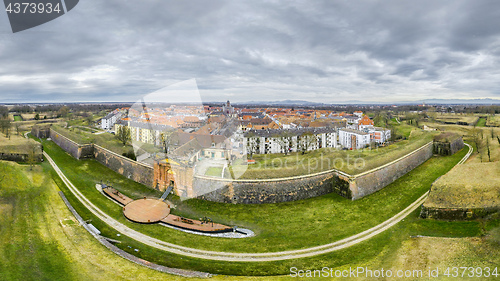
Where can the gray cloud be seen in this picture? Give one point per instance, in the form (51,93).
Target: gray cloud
(317,50)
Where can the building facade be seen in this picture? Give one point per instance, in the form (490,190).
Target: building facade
(288,140)
(353,139)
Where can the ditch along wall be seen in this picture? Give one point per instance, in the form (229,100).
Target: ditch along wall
(129,168)
(78,151)
(371,181)
(270,191)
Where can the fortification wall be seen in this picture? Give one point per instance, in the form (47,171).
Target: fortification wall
(456,213)
(303,187)
(20,157)
(40,132)
(257,192)
(376,179)
(76,150)
(131,169)
(448,148)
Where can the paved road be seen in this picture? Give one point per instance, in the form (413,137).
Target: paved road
(242,257)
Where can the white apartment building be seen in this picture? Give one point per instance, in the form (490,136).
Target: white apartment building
(288,140)
(379,135)
(353,139)
(109,120)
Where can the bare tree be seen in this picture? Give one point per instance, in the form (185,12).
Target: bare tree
(307,141)
(5,125)
(166,141)
(17,125)
(32,151)
(253,144)
(284,140)
(123,134)
(488,147)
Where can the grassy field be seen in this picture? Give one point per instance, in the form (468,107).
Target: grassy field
(472,185)
(14,144)
(349,161)
(41,240)
(493,121)
(83,136)
(278,226)
(456,117)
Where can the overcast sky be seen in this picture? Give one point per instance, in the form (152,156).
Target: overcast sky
(325,51)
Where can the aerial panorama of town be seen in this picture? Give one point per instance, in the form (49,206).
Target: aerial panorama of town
(262,140)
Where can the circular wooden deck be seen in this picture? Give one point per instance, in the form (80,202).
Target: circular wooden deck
(146,210)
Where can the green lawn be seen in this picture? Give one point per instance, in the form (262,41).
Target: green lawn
(278,226)
(481,122)
(17,118)
(26,250)
(214,171)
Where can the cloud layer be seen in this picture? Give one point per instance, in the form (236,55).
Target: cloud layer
(328,51)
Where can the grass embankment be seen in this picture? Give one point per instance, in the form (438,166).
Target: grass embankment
(15,144)
(493,120)
(84,136)
(350,161)
(456,117)
(283,226)
(473,185)
(41,240)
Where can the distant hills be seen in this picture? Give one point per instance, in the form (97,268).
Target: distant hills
(486,101)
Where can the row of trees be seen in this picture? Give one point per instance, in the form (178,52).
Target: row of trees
(483,143)
(5,126)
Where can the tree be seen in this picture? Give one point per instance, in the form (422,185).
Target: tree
(488,147)
(37,116)
(123,134)
(31,149)
(380,119)
(475,138)
(284,140)
(5,125)
(89,119)
(17,127)
(253,144)
(307,141)
(63,111)
(166,141)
